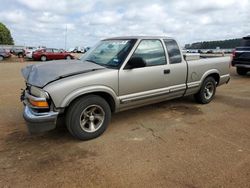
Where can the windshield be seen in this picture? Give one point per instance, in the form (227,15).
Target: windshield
(109,53)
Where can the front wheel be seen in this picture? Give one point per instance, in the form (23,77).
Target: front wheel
(207,91)
(88,117)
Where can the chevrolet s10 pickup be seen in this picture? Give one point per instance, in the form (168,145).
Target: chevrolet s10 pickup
(117,74)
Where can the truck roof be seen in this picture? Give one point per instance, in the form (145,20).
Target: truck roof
(138,37)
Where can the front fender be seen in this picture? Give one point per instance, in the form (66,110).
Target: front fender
(88,90)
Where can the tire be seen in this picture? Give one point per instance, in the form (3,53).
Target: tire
(88,117)
(1,58)
(20,55)
(43,58)
(207,91)
(241,71)
(68,57)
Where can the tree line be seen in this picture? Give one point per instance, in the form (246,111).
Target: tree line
(222,44)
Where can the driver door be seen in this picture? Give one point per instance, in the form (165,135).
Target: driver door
(139,85)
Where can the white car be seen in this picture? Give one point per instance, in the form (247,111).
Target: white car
(29,51)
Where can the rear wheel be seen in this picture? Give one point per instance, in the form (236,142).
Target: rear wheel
(43,58)
(207,91)
(88,117)
(241,71)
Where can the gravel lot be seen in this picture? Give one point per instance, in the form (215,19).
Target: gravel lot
(172,144)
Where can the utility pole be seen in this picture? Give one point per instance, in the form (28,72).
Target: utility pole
(66,29)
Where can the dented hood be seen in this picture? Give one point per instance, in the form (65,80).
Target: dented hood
(43,73)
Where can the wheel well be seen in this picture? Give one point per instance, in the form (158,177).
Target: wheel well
(216,77)
(104,95)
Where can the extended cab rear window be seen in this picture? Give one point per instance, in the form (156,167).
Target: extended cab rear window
(174,53)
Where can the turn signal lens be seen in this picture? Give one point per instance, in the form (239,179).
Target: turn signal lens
(39,103)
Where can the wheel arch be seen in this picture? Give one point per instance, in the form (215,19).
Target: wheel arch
(216,77)
(212,73)
(107,94)
(68,55)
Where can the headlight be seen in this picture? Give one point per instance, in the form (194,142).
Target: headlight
(38,92)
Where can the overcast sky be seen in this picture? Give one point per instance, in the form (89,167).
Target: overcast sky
(43,22)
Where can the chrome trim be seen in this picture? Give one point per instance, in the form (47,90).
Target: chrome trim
(193,84)
(242,51)
(151,93)
(242,65)
(26,101)
(131,99)
(225,76)
(39,122)
(39,116)
(178,88)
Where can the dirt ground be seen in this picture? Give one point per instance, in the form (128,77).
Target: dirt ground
(172,144)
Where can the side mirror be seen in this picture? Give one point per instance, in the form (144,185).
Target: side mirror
(135,62)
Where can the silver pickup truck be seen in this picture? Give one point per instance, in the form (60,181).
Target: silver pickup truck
(117,74)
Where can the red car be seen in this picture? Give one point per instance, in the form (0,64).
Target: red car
(50,54)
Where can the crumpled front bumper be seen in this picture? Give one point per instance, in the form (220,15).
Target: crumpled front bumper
(39,122)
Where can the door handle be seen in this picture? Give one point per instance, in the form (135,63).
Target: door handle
(166,71)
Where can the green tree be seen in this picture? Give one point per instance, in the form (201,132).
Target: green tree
(5,35)
(231,43)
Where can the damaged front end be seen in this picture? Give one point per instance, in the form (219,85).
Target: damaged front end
(39,112)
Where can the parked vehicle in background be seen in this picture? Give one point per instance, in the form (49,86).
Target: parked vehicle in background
(20,52)
(51,54)
(77,50)
(30,48)
(4,54)
(118,74)
(29,51)
(241,56)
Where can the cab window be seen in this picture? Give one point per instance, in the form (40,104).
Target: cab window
(49,50)
(152,52)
